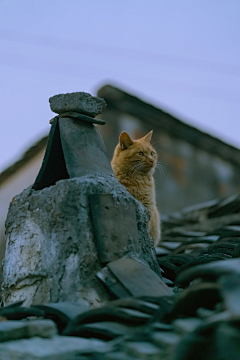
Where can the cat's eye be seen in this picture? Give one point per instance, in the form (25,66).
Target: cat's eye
(140,153)
(152,152)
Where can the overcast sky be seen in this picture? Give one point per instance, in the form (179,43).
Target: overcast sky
(180,55)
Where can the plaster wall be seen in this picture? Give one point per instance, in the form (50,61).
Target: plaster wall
(13,186)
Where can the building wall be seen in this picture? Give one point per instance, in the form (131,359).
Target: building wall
(15,185)
(190,174)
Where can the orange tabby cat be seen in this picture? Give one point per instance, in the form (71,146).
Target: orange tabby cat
(133,164)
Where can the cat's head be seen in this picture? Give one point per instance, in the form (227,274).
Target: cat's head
(135,156)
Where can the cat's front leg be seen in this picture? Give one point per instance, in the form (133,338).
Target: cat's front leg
(154,225)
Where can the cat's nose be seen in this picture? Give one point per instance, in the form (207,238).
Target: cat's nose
(151,161)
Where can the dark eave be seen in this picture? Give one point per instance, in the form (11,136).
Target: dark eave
(123,102)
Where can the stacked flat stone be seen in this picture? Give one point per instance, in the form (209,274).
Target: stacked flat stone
(80,102)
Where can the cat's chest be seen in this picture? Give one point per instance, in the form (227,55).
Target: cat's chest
(142,189)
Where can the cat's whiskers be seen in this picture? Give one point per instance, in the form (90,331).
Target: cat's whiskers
(132,167)
(161,168)
(138,168)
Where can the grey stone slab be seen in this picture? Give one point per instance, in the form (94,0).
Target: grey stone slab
(57,348)
(83,148)
(79,116)
(53,166)
(114,285)
(74,149)
(78,101)
(13,330)
(115,227)
(138,279)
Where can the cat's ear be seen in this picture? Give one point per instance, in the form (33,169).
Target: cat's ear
(148,137)
(125,141)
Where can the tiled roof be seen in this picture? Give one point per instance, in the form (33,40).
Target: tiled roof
(200,234)
(199,255)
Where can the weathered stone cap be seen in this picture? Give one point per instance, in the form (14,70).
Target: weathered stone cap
(78,101)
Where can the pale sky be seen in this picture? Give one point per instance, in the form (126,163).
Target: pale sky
(180,55)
